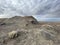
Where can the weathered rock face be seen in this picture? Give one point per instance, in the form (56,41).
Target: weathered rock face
(48,32)
(31,20)
(21,21)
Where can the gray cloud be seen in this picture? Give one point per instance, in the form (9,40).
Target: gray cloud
(45,8)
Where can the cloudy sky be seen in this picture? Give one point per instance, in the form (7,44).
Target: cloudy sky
(43,10)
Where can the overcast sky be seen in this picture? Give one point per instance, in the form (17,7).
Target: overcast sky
(44,10)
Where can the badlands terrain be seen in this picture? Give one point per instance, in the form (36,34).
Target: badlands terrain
(28,31)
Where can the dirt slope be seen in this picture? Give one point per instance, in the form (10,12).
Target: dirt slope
(30,32)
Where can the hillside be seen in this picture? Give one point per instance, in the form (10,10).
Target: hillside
(28,31)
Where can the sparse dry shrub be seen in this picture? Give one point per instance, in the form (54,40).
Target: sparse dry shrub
(13,34)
